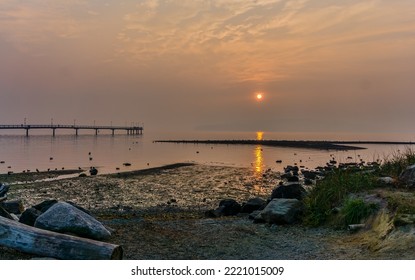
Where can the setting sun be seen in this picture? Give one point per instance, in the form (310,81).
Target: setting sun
(259,96)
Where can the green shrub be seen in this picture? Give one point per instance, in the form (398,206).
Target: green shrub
(331,192)
(355,210)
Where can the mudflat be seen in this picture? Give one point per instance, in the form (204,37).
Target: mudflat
(159,214)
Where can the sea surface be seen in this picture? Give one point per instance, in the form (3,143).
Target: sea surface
(109,153)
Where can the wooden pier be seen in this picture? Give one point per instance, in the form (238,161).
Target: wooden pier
(130,130)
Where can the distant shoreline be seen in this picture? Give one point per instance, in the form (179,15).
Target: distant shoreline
(306,144)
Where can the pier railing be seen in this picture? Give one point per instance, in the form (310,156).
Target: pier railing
(131,130)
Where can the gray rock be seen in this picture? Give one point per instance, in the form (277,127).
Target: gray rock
(293,190)
(229,207)
(3,189)
(408,176)
(64,218)
(386,180)
(282,211)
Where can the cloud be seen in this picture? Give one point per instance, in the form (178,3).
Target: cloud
(32,24)
(257,41)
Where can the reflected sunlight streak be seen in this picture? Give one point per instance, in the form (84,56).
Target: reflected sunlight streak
(259,158)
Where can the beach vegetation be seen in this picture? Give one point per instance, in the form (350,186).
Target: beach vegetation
(397,161)
(329,193)
(355,211)
(331,198)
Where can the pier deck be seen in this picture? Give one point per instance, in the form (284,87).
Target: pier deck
(131,130)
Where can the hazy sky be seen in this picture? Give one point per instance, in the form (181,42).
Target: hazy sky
(322,65)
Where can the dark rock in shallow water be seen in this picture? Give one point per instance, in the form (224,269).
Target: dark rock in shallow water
(289,191)
(64,218)
(93,171)
(291,168)
(29,216)
(253,204)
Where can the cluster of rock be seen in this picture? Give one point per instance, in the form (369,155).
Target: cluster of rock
(57,223)
(285,204)
(64,217)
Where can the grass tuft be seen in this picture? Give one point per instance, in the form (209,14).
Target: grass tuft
(354,211)
(330,193)
(397,162)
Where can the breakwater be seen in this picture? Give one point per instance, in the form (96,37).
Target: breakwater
(320,145)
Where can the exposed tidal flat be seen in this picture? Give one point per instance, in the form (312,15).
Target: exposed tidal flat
(159,213)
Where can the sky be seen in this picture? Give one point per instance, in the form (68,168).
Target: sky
(321,65)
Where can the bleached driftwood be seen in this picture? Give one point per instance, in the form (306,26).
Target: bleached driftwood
(56,245)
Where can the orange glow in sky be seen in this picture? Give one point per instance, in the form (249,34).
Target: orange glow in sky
(213,65)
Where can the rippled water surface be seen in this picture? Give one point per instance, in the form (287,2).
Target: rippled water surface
(109,153)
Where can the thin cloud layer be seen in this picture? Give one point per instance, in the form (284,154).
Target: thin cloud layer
(208,57)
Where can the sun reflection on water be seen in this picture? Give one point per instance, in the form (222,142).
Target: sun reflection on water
(259,157)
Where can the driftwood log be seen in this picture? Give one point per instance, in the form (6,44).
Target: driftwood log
(40,242)
(4,213)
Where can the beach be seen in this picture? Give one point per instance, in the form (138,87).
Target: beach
(159,213)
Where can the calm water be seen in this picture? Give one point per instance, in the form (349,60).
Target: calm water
(107,152)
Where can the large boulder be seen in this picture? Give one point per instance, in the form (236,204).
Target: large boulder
(230,207)
(227,207)
(64,218)
(293,190)
(408,176)
(253,204)
(282,211)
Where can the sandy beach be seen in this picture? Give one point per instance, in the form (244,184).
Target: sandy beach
(159,214)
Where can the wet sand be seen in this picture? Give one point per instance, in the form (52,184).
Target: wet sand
(159,214)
